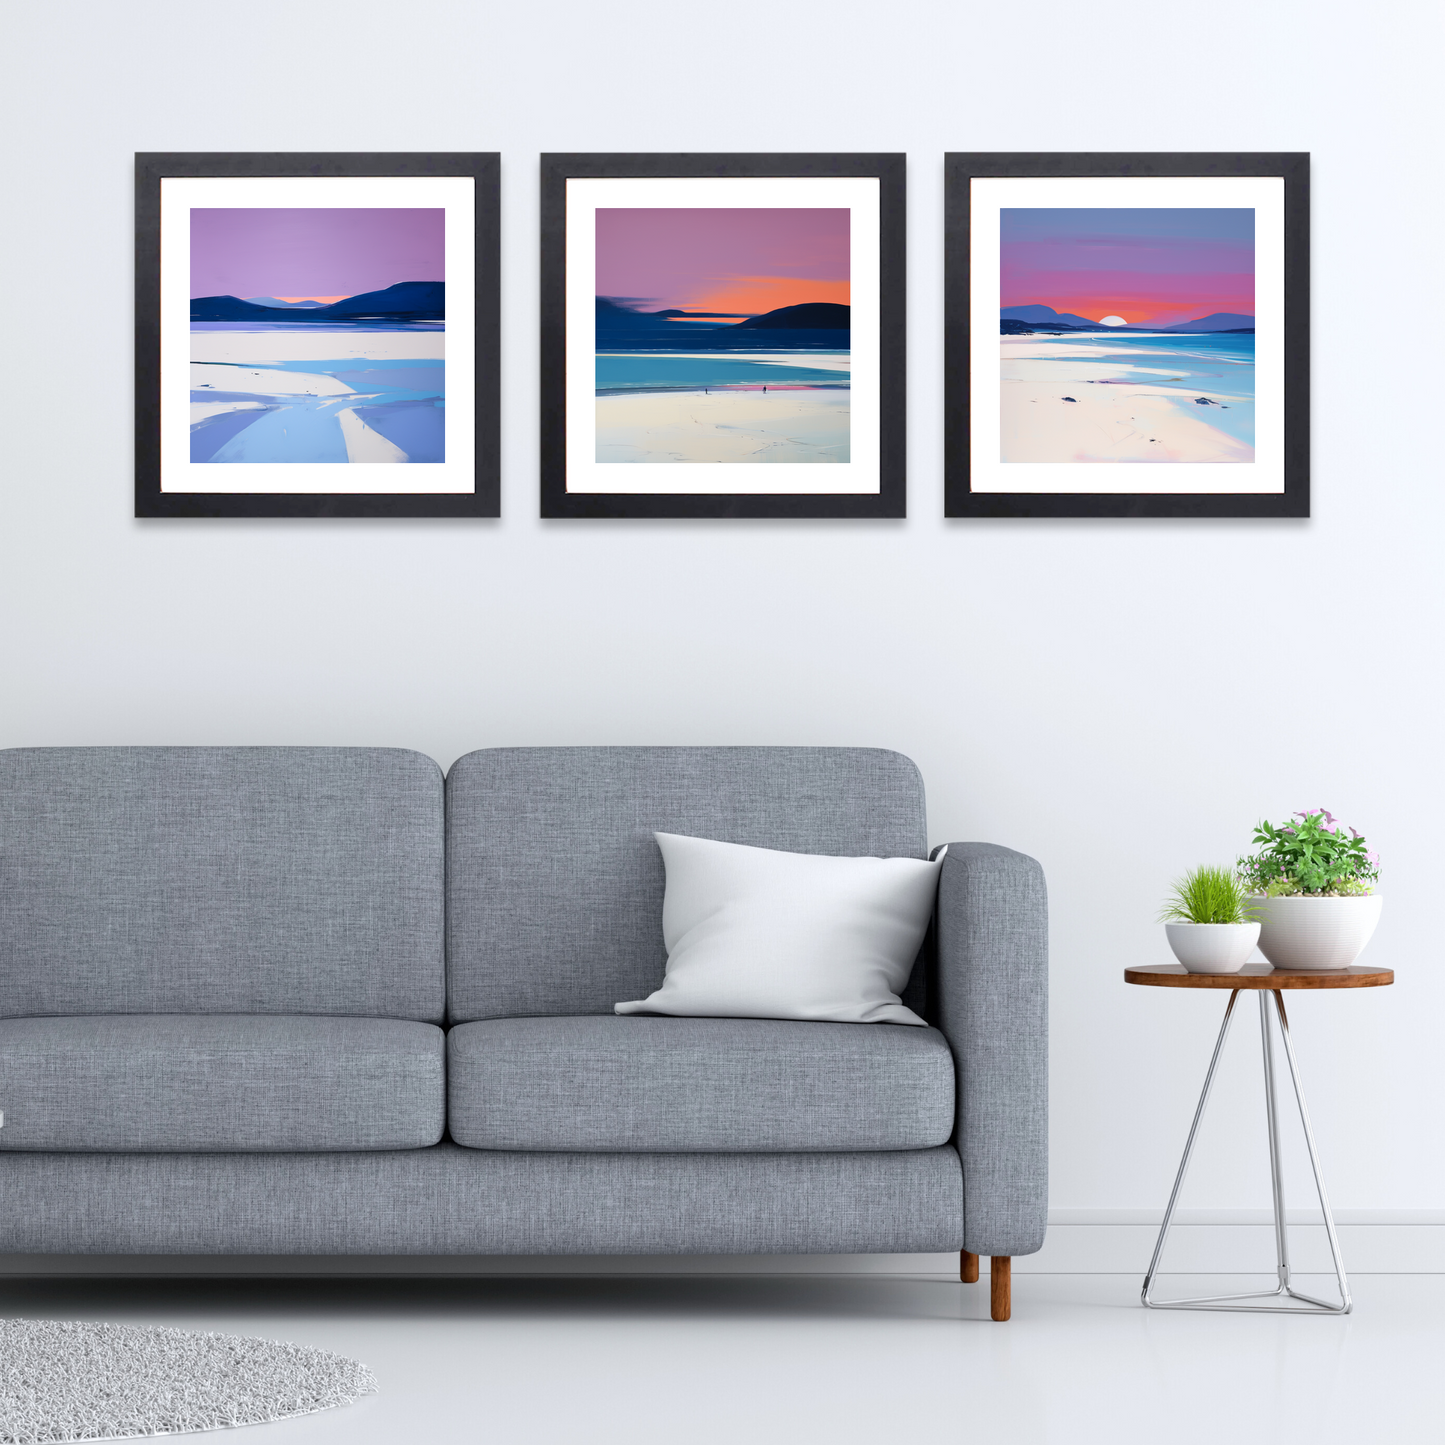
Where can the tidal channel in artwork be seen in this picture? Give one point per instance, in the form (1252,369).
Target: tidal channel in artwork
(1127,335)
(723,334)
(316,334)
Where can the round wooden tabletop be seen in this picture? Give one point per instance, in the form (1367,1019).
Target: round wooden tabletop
(1261,975)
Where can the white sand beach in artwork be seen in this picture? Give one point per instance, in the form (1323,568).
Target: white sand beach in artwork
(1059,404)
(262,361)
(201,410)
(1110,423)
(300,394)
(779,425)
(264,381)
(364,443)
(309,343)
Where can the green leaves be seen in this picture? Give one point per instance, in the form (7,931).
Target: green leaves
(1311,856)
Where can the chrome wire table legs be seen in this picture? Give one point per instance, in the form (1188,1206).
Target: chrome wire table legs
(1307,1305)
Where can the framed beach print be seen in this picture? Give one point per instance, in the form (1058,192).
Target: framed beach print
(316,335)
(1127,335)
(722,336)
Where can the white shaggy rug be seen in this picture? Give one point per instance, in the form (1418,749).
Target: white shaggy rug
(63,1380)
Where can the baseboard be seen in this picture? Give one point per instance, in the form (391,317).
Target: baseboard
(1238,1241)
(1078,1242)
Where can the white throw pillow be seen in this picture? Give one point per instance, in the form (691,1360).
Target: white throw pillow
(754,933)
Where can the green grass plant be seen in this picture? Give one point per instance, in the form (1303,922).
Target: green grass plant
(1208,895)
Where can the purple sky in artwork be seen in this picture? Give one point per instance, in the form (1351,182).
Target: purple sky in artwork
(1157,266)
(716,256)
(313,252)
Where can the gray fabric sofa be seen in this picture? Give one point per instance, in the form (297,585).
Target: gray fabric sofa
(320,1001)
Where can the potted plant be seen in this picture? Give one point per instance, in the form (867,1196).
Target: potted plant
(1314,891)
(1209,922)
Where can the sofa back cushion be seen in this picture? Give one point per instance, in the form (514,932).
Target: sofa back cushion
(221,880)
(555,882)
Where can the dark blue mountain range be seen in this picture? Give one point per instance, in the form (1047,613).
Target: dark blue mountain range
(810,316)
(814,325)
(406,301)
(421,300)
(1219,321)
(281,305)
(1011,326)
(1046,314)
(1023,320)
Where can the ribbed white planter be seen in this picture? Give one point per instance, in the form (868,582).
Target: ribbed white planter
(1316,933)
(1212,947)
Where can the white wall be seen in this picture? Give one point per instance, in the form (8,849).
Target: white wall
(1120,699)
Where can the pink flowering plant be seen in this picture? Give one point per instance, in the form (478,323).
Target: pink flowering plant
(1312,857)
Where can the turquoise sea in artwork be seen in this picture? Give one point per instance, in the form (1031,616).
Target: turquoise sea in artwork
(669,371)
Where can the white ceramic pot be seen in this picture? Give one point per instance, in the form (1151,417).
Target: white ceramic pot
(1212,947)
(1316,933)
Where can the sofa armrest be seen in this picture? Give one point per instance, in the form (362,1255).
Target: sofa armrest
(992,1004)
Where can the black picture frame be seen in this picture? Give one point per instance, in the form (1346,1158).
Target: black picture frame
(151,501)
(960,498)
(891,498)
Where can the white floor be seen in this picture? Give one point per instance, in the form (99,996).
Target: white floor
(753,1361)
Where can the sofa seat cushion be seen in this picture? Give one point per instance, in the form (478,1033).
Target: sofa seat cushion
(227,1082)
(645,1084)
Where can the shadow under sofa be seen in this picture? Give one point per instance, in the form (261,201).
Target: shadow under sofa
(318,1001)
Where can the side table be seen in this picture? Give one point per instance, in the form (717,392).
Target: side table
(1269,983)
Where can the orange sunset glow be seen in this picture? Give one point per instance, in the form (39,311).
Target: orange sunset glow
(1141,310)
(753,295)
(1136,312)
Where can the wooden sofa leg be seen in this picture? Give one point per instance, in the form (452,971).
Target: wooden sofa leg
(1000,1295)
(968,1267)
